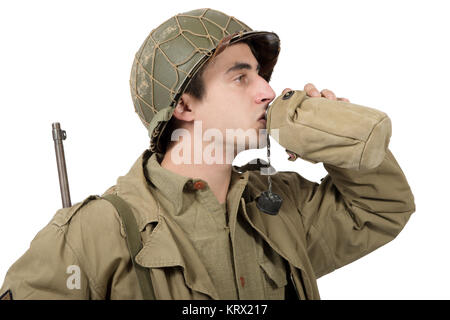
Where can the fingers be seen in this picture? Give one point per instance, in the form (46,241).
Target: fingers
(286,90)
(328,94)
(311,90)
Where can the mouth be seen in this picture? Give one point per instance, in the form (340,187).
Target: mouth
(262,118)
(263,114)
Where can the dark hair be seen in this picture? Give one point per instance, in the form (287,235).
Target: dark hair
(196,87)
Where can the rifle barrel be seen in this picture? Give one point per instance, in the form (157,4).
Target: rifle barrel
(58,137)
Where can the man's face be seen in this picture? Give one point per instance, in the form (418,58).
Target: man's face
(236,96)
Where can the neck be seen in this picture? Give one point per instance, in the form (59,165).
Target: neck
(216,173)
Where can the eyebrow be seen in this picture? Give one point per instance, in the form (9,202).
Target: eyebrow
(242,65)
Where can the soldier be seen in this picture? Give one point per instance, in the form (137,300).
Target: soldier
(179,227)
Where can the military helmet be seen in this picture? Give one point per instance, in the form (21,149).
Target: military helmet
(173,53)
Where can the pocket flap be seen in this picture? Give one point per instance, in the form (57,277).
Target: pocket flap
(275,273)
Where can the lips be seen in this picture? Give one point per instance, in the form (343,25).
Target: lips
(262,120)
(262,116)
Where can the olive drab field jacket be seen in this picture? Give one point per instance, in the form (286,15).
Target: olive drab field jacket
(363,203)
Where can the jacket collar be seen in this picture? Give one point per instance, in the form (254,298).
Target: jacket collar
(170,184)
(134,189)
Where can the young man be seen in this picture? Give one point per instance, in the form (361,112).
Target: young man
(200,231)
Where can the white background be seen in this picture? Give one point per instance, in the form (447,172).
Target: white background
(70,62)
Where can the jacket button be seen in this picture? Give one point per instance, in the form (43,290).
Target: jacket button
(199,185)
(242,281)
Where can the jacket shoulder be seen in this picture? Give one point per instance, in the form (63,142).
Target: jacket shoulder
(93,213)
(63,216)
(95,233)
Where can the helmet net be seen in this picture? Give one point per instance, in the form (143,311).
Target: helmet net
(169,54)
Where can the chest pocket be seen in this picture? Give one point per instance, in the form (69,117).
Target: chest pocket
(273,271)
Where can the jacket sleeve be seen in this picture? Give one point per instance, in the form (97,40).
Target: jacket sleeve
(80,254)
(365,199)
(338,133)
(48,270)
(352,213)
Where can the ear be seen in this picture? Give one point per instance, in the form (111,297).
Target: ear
(183,110)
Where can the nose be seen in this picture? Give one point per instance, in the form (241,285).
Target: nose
(265,93)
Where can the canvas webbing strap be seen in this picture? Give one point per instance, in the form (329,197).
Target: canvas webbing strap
(134,243)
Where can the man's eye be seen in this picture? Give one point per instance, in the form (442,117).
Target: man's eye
(239,79)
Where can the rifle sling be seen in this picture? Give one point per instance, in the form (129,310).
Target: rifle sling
(133,242)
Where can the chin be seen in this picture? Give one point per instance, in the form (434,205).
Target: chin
(252,138)
(260,144)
